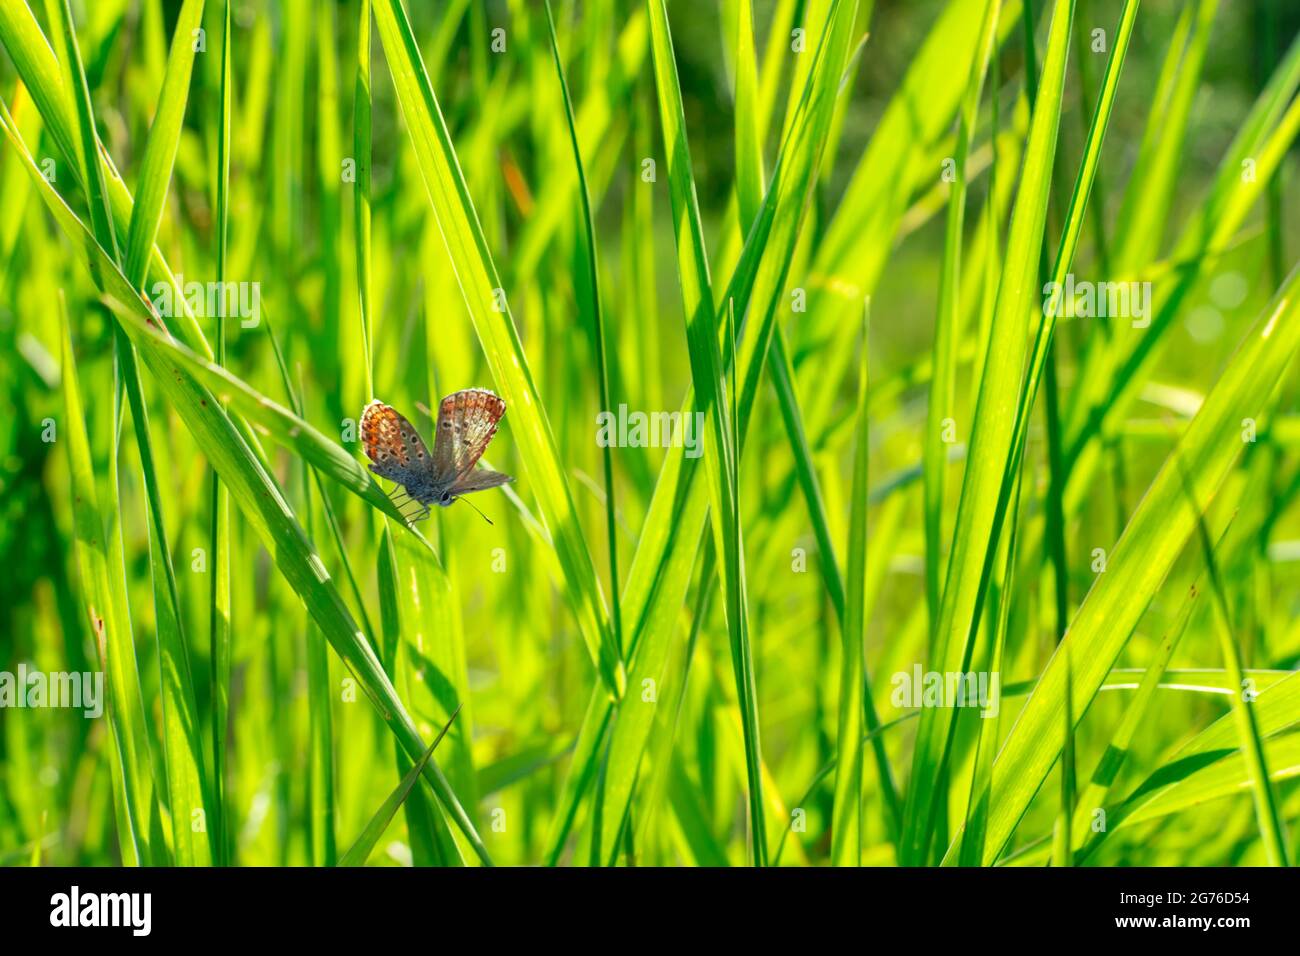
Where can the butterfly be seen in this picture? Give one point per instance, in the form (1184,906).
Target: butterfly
(467,420)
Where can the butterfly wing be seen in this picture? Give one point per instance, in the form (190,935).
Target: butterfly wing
(480,479)
(467,420)
(394,447)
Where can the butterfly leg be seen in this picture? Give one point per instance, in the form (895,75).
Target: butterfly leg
(401,498)
(410,514)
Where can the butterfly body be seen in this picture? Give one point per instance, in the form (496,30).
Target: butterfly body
(467,420)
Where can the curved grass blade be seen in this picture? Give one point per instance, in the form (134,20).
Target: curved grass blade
(769,247)
(739,16)
(598,331)
(361,849)
(182,751)
(990,444)
(707,375)
(325,455)
(112,636)
(487,303)
(253,491)
(1139,562)
(1113,759)
(827,769)
(1231,775)
(1243,711)
(164,140)
(943,381)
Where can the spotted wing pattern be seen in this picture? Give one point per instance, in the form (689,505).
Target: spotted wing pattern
(467,420)
(394,447)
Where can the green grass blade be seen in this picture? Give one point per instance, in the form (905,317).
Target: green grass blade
(1277,708)
(768,248)
(361,134)
(255,493)
(1094,795)
(490,312)
(110,632)
(164,140)
(324,454)
(87,140)
(365,843)
(1264,138)
(739,16)
(991,441)
(1243,713)
(1141,559)
(707,375)
(182,750)
(219,617)
(400,611)
(635,716)
(805,471)
(1145,211)
(1232,775)
(943,381)
(860,234)
(598,331)
(846,816)
(320,731)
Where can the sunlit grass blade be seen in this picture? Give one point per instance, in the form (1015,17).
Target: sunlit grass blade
(365,843)
(1141,559)
(635,717)
(1098,788)
(990,443)
(768,246)
(488,305)
(1198,784)
(106,624)
(1002,597)
(943,381)
(739,17)
(281,424)
(219,617)
(846,817)
(1243,713)
(707,375)
(252,489)
(182,750)
(164,140)
(1143,217)
(860,234)
(593,301)
(1114,377)
(86,154)
(320,749)
(399,611)
(361,134)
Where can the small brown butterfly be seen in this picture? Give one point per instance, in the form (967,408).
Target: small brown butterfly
(467,420)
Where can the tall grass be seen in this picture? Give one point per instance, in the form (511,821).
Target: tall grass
(690,651)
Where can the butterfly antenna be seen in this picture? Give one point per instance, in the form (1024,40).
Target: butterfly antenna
(475,507)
